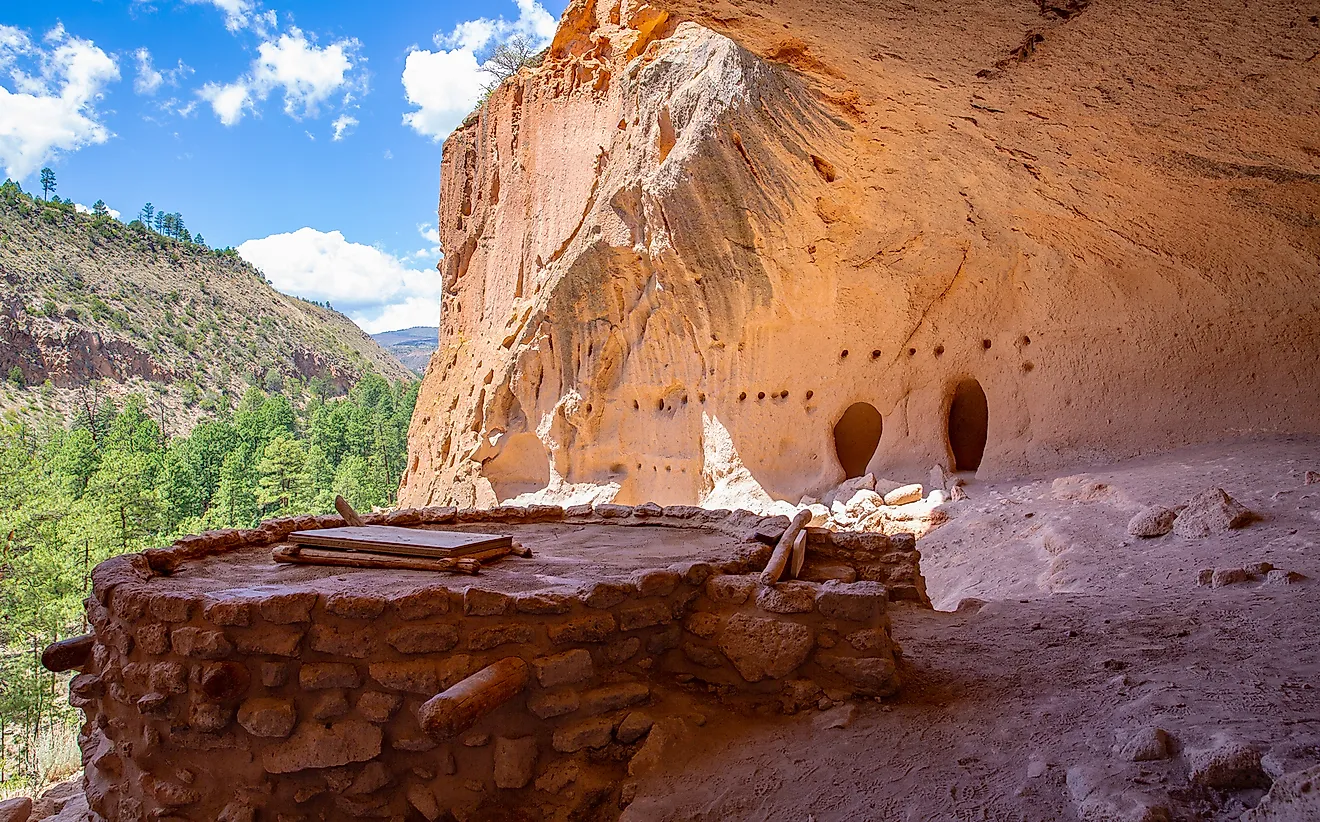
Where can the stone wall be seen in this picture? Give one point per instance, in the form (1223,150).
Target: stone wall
(280,702)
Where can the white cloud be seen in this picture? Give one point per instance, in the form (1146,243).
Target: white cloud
(341,125)
(150,79)
(307,74)
(431,234)
(375,289)
(82,209)
(445,84)
(54,108)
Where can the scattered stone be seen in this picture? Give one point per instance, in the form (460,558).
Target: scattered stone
(787,598)
(267,717)
(656,583)
(1147,745)
(1229,765)
(1205,576)
(475,739)
(1260,568)
(939,478)
(558,776)
(633,727)
(514,761)
(314,745)
(589,733)
(904,494)
(424,802)
(838,717)
(1211,512)
(763,648)
(1155,521)
(1281,577)
(798,694)
(1292,798)
(371,779)
(660,746)
(1311,478)
(1229,576)
(958,494)
(568,668)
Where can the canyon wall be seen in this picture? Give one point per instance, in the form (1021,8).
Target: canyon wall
(674,261)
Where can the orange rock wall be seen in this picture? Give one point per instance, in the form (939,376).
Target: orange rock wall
(671,264)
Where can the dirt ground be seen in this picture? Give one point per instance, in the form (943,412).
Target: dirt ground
(1018,708)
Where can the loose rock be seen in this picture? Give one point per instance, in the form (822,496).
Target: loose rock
(1211,512)
(1155,521)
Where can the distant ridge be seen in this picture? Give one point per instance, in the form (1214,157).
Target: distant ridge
(411,346)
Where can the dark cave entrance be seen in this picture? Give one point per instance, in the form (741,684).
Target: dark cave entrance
(969,420)
(856,435)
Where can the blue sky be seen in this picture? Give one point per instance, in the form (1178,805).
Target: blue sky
(307,134)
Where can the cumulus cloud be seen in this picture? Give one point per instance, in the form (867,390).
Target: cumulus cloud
(82,209)
(377,290)
(149,79)
(51,106)
(308,75)
(341,126)
(445,84)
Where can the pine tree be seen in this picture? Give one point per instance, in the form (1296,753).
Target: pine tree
(47,183)
(147,213)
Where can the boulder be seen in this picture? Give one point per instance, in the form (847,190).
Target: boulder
(1147,745)
(904,494)
(16,810)
(1155,521)
(1211,512)
(1229,764)
(1293,797)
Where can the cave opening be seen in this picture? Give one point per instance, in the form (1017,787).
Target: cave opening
(856,436)
(969,420)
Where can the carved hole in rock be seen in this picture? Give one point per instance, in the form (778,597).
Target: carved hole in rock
(856,436)
(742,396)
(875,355)
(667,137)
(811,394)
(760,395)
(825,168)
(843,354)
(985,344)
(969,419)
(522,466)
(636,405)
(939,350)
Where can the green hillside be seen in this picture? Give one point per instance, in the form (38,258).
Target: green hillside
(89,299)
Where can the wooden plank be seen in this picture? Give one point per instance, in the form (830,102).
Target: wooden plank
(407,542)
(357,559)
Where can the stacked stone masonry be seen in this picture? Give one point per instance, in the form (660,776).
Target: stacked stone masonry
(282,702)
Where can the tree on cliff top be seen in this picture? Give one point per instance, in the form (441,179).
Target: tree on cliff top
(508,57)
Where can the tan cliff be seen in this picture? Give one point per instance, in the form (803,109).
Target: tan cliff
(674,262)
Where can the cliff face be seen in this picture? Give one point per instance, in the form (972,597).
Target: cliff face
(1046,231)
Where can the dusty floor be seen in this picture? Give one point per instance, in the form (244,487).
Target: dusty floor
(1017,709)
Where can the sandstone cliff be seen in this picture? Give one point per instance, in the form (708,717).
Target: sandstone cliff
(674,263)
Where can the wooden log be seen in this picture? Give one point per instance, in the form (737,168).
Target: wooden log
(346,511)
(799,554)
(453,711)
(774,569)
(68,654)
(359,559)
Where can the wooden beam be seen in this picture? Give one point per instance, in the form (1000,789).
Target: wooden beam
(456,709)
(774,569)
(360,559)
(68,654)
(346,511)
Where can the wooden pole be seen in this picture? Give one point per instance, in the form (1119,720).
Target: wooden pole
(453,711)
(68,654)
(774,569)
(346,511)
(304,555)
